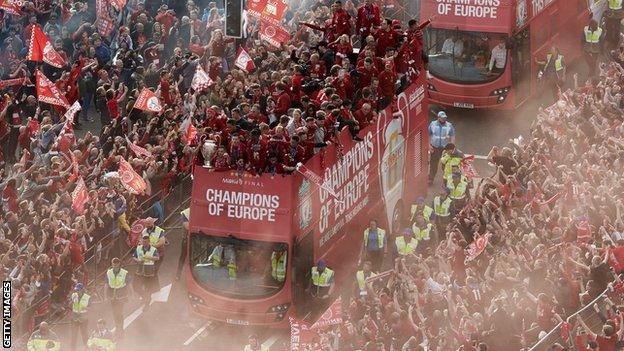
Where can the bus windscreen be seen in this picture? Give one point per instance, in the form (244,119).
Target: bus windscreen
(237,268)
(462,57)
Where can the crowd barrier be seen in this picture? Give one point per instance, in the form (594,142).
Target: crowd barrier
(98,256)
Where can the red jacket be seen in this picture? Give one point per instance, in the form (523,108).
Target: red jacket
(366,76)
(367,16)
(341,23)
(363,119)
(282,104)
(292,156)
(386,83)
(317,70)
(385,39)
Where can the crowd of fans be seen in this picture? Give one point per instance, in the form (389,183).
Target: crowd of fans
(552,211)
(263,120)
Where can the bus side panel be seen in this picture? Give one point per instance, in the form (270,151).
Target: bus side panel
(373,178)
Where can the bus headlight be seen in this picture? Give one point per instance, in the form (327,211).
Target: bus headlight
(196,300)
(280,309)
(431,87)
(501,91)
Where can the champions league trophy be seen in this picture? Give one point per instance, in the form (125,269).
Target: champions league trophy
(208,149)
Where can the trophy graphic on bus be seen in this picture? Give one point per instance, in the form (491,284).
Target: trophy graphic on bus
(391,150)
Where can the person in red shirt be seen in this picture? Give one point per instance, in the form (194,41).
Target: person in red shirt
(166,18)
(368,17)
(112,104)
(364,115)
(366,73)
(386,85)
(386,37)
(609,338)
(343,48)
(165,93)
(293,153)
(283,100)
(316,67)
(341,20)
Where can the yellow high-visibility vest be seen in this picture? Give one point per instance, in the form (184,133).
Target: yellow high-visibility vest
(426,212)
(615,4)
(142,254)
(442,208)
(422,234)
(381,236)
(102,344)
(80,304)
(232,270)
(592,37)
(449,161)
(154,236)
(361,280)
(37,343)
(322,280)
(404,248)
(278,266)
(458,192)
(116,281)
(262,348)
(558,62)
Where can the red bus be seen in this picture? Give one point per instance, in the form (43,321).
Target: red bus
(251,217)
(462,34)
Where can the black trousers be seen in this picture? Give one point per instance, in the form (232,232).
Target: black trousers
(434,162)
(376,259)
(79,327)
(118,318)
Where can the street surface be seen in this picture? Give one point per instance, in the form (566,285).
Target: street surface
(169,325)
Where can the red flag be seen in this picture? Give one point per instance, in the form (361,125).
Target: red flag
(201,81)
(148,101)
(244,61)
(131,180)
(25,157)
(69,116)
(332,316)
(41,49)
(14,82)
(190,131)
(139,151)
(33,126)
(467,167)
(47,92)
(565,330)
(301,335)
(80,196)
(273,34)
(316,179)
(274,11)
(477,246)
(105,23)
(136,230)
(255,7)
(13,7)
(118,4)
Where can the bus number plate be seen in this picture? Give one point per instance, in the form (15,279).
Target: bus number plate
(236,322)
(463,105)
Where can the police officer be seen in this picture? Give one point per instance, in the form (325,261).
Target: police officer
(101,338)
(458,186)
(254,344)
(361,276)
(375,244)
(224,257)
(279,261)
(185,217)
(451,158)
(442,209)
(405,243)
(554,70)
(421,209)
(117,282)
(322,281)
(157,239)
(423,231)
(592,36)
(146,257)
(613,16)
(79,305)
(441,132)
(43,339)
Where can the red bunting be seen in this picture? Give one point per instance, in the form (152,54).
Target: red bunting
(47,92)
(477,246)
(255,7)
(14,82)
(301,336)
(274,11)
(139,151)
(148,101)
(13,7)
(41,49)
(332,316)
(131,180)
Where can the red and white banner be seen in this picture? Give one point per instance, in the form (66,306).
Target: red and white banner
(41,49)
(274,11)
(148,101)
(477,246)
(467,167)
(13,7)
(273,34)
(332,316)
(139,151)
(201,81)
(316,179)
(14,82)
(189,130)
(105,23)
(47,92)
(301,335)
(244,61)
(70,114)
(80,197)
(136,229)
(118,4)
(255,7)
(131,180)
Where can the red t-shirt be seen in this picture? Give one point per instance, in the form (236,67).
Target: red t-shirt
(113,108)
(606,343)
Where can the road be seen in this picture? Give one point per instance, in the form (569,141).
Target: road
(168,324)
